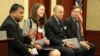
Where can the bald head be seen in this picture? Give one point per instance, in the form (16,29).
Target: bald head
(58,11)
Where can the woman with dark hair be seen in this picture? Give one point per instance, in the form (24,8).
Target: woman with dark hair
(34,30)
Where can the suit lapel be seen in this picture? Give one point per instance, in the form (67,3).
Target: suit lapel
(16,26)
(56,25)
(73,24)
(54,21)
(19,30)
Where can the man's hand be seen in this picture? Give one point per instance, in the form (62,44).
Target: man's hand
(84,43)
(69,44)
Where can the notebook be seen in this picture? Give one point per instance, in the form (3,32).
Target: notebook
(74,41)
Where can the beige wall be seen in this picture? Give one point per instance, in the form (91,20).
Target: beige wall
(93,15)
(6,4)
(53,4)
(5,7)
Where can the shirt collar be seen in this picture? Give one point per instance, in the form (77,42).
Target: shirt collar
(56,18)
(14,20)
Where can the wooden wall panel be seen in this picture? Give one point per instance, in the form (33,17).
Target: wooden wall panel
(91,36)
(84,13)
(94,37)
(67,6)
(32,2)
(3,48)
(47,4)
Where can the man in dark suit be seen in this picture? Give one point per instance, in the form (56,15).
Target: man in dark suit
(16,47)
(54,31)
(73,24)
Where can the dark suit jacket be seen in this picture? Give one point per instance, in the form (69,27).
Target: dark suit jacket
(13,31)
(53,32)
(72,26)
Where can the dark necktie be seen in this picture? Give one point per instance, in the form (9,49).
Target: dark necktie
(78,30)
(60,25)
(19,30)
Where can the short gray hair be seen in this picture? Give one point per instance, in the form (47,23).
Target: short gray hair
(55,8)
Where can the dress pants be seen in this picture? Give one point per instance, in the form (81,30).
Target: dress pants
(89,52)
(64,50)
(78,51)
(43,52)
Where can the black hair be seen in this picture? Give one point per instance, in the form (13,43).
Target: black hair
(15,7)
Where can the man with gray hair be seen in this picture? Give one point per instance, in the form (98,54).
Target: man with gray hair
(55,33)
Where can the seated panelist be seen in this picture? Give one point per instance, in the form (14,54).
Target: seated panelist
(34,32)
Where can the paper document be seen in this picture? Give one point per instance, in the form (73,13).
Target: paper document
(47,48)
(41,42)
(74,41)
(3,35)
(34,51)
